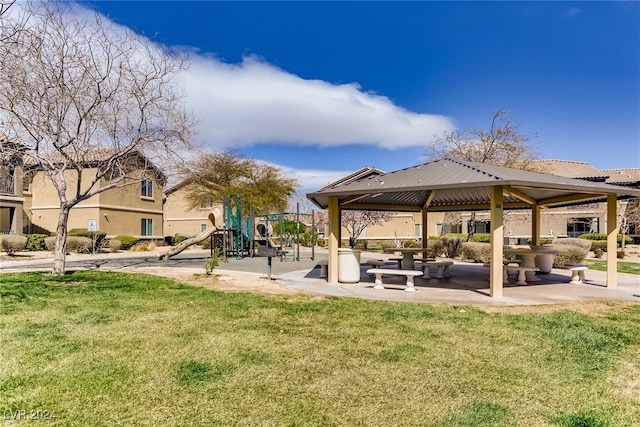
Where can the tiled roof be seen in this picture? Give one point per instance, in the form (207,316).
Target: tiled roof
(570,169)
(623,176)
(94,157)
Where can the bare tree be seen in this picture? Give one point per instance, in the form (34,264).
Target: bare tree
(502,144)
(357,221)
(5,5)
(77,92)
(628,218)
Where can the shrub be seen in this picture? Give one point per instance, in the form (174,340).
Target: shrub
(599,245)
(388,244)
(481,238)
(50,243)
(97,236)
(597,252)
(476,251)
(79,244)
(581,243)
(593,236)
(321,242)
(12,243)
(620,254)
(179,238)
(126,241)
(410,244)
(601,236)
(143,247)
(452,246)
(114,245)
(214,261)
(569,254)
(35,242)
(435,248)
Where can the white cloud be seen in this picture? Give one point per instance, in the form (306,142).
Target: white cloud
(239,105)
(255,102)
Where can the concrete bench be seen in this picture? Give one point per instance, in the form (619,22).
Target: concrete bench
(522,278)
(442,269)
(506,263)
(410,274)
(577,273)
(324,267)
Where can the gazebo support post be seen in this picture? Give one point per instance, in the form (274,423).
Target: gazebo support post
(334,239)
(612,241)
(425,232)
(497,242)
(535,225)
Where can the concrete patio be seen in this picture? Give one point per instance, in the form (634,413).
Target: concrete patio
(469,284)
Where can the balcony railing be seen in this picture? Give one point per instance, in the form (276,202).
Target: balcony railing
(6,185)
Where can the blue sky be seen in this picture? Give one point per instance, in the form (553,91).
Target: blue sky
(324,88)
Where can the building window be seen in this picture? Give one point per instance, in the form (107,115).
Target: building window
(579,226)
(147,188)
(146,227)
(203,227)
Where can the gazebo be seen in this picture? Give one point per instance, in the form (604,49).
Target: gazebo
(456,185)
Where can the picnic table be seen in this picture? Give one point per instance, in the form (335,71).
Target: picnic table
(407,256)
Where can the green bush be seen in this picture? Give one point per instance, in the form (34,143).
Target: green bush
(214,261)
(12,243)
(568,255)
(598,253)
(476,251)
(179,238)
(581,243)
(452,246)
(35,242)
(126,241)
(620,254)
(601,236)
(388,244)
(593,236)
(321,242)
(410,244)
(79,244)
(481,238)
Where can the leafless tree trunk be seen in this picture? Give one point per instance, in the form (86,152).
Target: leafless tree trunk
(92,106)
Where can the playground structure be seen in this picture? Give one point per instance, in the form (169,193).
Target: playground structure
(235,235)
(241,235)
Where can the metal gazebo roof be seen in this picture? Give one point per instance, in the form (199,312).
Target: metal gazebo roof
(451,184)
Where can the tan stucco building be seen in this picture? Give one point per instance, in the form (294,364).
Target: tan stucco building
(133,207)
(180,218)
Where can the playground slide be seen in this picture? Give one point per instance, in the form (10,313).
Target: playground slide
(175,250)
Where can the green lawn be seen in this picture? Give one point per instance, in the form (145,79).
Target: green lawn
(623,266)
(105,349)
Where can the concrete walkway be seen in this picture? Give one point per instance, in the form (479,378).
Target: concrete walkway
(469,284)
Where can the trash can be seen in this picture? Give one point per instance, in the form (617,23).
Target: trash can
(348,265)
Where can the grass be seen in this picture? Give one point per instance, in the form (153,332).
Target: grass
(117,349)
(623,266)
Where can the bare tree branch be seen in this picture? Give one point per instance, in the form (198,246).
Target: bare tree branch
(92,107)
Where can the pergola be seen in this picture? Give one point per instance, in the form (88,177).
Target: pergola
(455,185)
